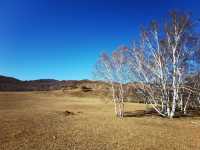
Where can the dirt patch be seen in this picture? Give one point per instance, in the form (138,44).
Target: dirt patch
(68,113)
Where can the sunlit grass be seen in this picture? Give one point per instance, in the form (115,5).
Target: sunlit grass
(36,120)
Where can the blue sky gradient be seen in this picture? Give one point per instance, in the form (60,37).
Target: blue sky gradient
(62,39)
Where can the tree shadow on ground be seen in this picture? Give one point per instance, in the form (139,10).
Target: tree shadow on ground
(141,113)
(152,112)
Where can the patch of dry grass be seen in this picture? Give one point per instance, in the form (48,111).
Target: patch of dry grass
(37,120)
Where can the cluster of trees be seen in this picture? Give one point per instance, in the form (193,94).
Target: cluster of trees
(164,63)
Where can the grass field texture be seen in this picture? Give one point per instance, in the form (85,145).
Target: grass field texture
(57,121)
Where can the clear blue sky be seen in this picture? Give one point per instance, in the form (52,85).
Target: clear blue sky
(62,39)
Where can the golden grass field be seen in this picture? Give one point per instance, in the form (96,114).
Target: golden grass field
(37,120)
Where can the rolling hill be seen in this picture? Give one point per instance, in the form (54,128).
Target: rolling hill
(13,84)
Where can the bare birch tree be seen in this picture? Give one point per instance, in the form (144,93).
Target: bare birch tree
(160,62)
(111,69)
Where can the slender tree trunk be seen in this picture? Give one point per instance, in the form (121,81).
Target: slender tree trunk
(185,107)
(122,99)
(174,86)
(114,99)
(181,103)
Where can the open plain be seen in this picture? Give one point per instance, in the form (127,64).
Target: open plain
(57,121)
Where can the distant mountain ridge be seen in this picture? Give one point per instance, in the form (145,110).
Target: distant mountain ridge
(5,79)
(73,87)
(13,84)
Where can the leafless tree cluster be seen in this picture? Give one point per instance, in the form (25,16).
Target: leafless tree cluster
(164,62)
(113,70)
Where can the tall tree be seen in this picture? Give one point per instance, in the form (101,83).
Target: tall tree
(163,59)
(165,63)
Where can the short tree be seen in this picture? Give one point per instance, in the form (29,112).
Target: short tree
(112,70)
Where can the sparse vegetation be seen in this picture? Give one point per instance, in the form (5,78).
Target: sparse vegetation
(65,93)
(53,120)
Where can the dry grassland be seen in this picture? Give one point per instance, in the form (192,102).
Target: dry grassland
(56,121)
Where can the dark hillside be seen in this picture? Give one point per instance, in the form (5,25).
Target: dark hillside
(82,88)
(13,84)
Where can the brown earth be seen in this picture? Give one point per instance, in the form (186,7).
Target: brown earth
(57,121)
